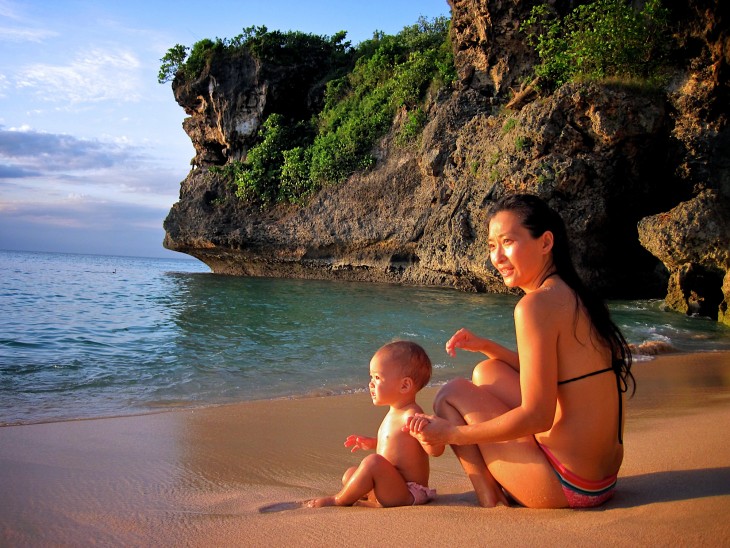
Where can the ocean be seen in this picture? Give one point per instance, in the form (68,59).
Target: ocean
(85,336)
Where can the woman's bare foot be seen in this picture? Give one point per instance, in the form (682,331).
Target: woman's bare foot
(489,493)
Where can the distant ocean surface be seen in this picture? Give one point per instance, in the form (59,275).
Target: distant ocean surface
(86,336)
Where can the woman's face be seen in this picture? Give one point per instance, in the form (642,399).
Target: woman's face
(519,258)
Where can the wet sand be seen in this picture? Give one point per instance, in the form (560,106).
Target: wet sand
(202,477)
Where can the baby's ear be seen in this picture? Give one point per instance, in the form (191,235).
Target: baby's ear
(406,384)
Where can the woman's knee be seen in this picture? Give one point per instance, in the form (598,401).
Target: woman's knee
(489,372)
(500,379)
(449,393)
(495,390)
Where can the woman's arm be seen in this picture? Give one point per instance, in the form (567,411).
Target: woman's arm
(537,324)
(466,340)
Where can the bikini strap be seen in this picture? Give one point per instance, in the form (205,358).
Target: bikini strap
(620,409)
(620,391)
(586,375)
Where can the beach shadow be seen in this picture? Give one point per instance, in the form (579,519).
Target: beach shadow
(467,498)
(281,507)
(632,491)
(671,486)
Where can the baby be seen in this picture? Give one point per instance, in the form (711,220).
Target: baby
(397,473)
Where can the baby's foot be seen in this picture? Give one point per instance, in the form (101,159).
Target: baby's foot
(321,502)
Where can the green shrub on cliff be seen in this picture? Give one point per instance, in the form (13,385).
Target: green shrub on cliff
(387,75)
(283,48)
(605,38)
(392,73)
(260,177)
(171,63)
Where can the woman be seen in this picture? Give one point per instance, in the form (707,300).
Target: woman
(543,424)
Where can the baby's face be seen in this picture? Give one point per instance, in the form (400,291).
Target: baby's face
(385,380)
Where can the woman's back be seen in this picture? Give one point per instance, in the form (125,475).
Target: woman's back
(586,431)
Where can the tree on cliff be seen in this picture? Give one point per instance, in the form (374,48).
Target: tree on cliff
(277,47)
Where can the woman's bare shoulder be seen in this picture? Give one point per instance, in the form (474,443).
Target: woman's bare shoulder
(550,301)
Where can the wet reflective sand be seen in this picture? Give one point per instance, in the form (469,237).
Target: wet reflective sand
(232,475)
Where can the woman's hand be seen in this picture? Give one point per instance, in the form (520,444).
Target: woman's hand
(429,429)
(360,442)
(464,339)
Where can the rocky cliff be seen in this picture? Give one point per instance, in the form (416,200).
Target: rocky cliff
(640,177)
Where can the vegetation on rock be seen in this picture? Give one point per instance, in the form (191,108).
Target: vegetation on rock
(602,39)
(387,75)
(277,47)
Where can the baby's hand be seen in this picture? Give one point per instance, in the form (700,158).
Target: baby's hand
(429,429)
(360,442)
(416,423)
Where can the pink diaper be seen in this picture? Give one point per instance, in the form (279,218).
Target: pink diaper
(421,494)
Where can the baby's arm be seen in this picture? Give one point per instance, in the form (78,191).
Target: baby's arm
(361,442)
(434,450)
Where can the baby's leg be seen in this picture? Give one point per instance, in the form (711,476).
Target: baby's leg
(348,474)
(370,497)
(375,474)
(330,501)
(320,502)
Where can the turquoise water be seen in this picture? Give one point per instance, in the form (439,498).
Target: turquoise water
(87,336)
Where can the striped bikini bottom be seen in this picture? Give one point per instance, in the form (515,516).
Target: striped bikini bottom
(580,492)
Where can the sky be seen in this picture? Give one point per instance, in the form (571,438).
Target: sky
(92,151)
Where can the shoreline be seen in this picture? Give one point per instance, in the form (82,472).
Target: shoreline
(202,476)
(188,406)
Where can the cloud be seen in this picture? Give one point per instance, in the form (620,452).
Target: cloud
(15,172)
(117,209)
(36,165)
(19,30)
(16,34)
(39,152)
(97,75)
(77,211)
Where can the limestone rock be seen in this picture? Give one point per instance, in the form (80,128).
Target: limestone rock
(693,242)
(610,158)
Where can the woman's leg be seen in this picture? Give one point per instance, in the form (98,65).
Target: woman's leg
(488,491)
(519,465)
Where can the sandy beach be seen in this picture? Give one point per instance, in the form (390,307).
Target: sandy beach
(202,477)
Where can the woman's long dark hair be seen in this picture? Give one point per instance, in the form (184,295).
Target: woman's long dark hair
(537,217)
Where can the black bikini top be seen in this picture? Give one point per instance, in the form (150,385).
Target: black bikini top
(606,370)
(620,399)
(587,375)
